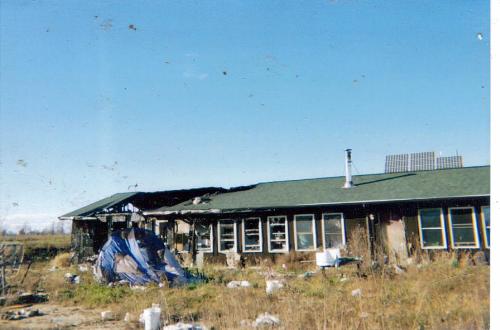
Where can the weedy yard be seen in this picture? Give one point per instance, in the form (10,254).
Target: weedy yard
(442,293)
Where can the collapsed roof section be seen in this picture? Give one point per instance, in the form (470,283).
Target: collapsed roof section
(137,202)
(373,188)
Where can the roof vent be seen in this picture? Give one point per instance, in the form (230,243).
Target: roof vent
(348,172)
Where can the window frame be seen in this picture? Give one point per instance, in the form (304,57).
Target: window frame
(323,227)
(211,239)
(313,221)
(287,248)
(243,243)
(474,227)
(235,235)
(483,222)
(443,229)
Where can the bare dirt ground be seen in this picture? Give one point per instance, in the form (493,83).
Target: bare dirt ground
(61,317)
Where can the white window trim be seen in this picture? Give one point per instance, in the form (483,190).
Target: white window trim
(243,235)
(474,225)
(486,243)
(269,234)
(235,236)
(313,232)
(211,241)
(323,226)
(443,230)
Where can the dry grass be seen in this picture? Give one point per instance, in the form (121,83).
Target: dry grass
(36,242)
(443,293)
(62,260)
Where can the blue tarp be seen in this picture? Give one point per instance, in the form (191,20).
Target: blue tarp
(139,257)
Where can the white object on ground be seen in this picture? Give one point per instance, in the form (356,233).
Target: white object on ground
(239,284)
(328,258)
(356,293)
(398,269)
(266,319)
(127,317)
(184,326)
(106,315)
(83,268)
(273,285)
(152,318)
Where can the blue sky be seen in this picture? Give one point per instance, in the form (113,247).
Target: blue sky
(98,96)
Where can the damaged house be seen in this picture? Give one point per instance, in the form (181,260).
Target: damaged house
(436,209)
(94,223)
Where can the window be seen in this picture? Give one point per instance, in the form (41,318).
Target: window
(277,232)
(252,235)
(227,236)
(305,232)
(333,230)
(432,234)
(485,214)
(463,227)
(203,237)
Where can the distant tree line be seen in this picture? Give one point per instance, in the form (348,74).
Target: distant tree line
(55,228)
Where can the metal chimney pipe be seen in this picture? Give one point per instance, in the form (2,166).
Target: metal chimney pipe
(348,172)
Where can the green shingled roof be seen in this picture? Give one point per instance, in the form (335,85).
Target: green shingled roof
(448,183)
(100,205)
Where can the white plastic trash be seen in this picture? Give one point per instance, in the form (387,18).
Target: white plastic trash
(324,259)
(273,285)
(152,318)
(106,315)
(239,284)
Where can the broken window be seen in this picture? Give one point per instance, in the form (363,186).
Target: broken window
(277,228)
(227,235)
(333,230)
(485,213)
(305,232)
(432,234)
(252,235)
(203,237)
(463,227)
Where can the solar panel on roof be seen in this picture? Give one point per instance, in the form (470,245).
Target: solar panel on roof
(449,162)
(422,161)
(396,163)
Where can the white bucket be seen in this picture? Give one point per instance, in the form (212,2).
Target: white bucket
(152,318)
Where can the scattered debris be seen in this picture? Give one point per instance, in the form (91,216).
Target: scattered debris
(266,319)
(364,315)
(22,162)
(21,314)
(399,269)
(72,278)
(185,326)
(127,317)
(344,279)
(356,293)
(83,268)
(132,27)
(306,275)
(239,284)
(479,36)
(107,316)
(273,285)
(151,317)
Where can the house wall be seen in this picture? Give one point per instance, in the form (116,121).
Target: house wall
(402,215)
